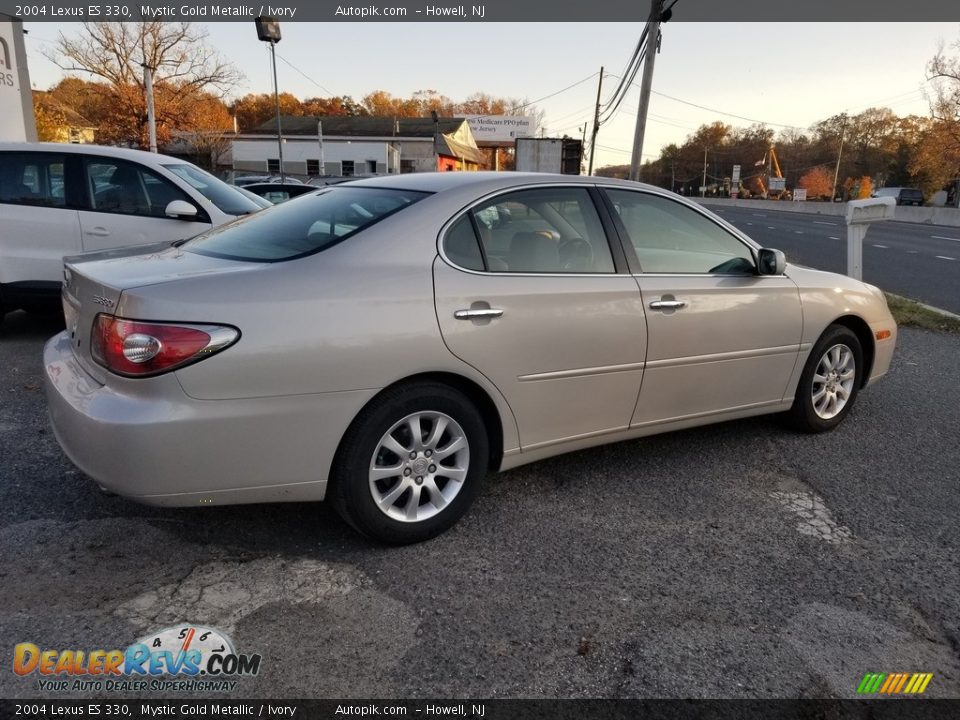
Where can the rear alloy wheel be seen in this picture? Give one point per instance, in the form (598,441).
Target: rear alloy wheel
(411,464)
(830,381)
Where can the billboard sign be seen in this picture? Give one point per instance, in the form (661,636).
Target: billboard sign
(499,129)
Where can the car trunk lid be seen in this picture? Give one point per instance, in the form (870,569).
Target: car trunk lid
(94,284)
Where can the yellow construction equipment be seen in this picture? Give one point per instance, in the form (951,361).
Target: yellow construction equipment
(774,185)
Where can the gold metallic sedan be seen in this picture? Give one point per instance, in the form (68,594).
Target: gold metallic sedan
(389,342)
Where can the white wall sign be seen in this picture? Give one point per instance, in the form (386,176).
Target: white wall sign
(500,128)
(15,124)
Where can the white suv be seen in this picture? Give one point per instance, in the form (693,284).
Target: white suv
(58,199)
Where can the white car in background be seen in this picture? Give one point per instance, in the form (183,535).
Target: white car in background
(58,199)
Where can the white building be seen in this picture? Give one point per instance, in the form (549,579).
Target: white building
(352,146)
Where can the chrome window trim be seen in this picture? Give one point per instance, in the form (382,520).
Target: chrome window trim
(445,228)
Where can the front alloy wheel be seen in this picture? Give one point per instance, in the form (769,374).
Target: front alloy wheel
(833,381)
(830,381)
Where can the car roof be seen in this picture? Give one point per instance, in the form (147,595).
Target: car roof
(147,158)
(434,182)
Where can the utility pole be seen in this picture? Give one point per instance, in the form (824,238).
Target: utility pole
(596,124)
(323,165)
(769,170)
(583,145)
(276,99)
(703,185)
(836,172)
(151,114)
(650,56)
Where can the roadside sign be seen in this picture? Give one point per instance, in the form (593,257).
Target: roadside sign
(778,184)
(736,175)
(799,194)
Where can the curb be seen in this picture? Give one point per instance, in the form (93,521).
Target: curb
(931,308)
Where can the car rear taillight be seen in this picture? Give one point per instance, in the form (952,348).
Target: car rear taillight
(136,349)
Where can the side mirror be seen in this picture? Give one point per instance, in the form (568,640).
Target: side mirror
(181,210)
(771,262)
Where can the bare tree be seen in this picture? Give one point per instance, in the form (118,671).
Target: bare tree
(185,71)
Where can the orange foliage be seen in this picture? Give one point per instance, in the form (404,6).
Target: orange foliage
(818,182)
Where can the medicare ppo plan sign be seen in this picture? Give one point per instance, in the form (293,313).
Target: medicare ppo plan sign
(499,129)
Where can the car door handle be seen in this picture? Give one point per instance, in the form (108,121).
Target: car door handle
(478,314)
(98,232)
(667,304)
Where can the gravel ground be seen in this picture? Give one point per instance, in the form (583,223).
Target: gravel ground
(739,560)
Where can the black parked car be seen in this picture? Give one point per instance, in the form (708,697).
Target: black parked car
(903,196)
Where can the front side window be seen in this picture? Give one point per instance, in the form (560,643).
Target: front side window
(542,230)
(32,179)
(226,197)
(296,229)
(669,237)
(117,186)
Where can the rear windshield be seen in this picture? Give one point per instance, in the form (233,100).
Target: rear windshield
(229,199)
(304,226)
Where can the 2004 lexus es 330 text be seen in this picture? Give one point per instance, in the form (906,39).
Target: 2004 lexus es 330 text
(387,342)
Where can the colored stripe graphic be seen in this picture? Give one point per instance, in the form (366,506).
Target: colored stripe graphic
(894,683)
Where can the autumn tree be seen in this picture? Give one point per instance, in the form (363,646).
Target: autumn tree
(818,182)
(935,159)
(343,106)
(253,110)
(186,72)
(50,119)
(943,71)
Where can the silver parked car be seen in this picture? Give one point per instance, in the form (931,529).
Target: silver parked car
(387,342)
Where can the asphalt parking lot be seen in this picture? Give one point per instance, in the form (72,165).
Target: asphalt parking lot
(739,560)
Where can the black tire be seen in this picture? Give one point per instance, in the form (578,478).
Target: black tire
(351,492)
(803,415)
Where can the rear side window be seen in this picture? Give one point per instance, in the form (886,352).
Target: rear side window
(33,179)
(304,227)
(542,230)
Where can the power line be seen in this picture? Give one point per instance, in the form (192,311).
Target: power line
(621,150)
(626,81)
(325,89)
(721,112)
(527,104)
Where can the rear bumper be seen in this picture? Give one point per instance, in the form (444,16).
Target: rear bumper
(147,440)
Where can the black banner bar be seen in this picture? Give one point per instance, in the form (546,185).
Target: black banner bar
(538,11)
(486,709)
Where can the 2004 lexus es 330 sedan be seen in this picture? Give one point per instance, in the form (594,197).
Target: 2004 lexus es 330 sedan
(388,342)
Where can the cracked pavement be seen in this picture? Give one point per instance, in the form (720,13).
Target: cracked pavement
(737,560)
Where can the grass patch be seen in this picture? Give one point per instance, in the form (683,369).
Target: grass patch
(912,314)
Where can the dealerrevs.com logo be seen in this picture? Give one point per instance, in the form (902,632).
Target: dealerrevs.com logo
(179,658)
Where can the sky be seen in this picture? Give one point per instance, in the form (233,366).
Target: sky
(784,74)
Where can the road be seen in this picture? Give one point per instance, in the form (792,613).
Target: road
(739,560)
(917,261)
